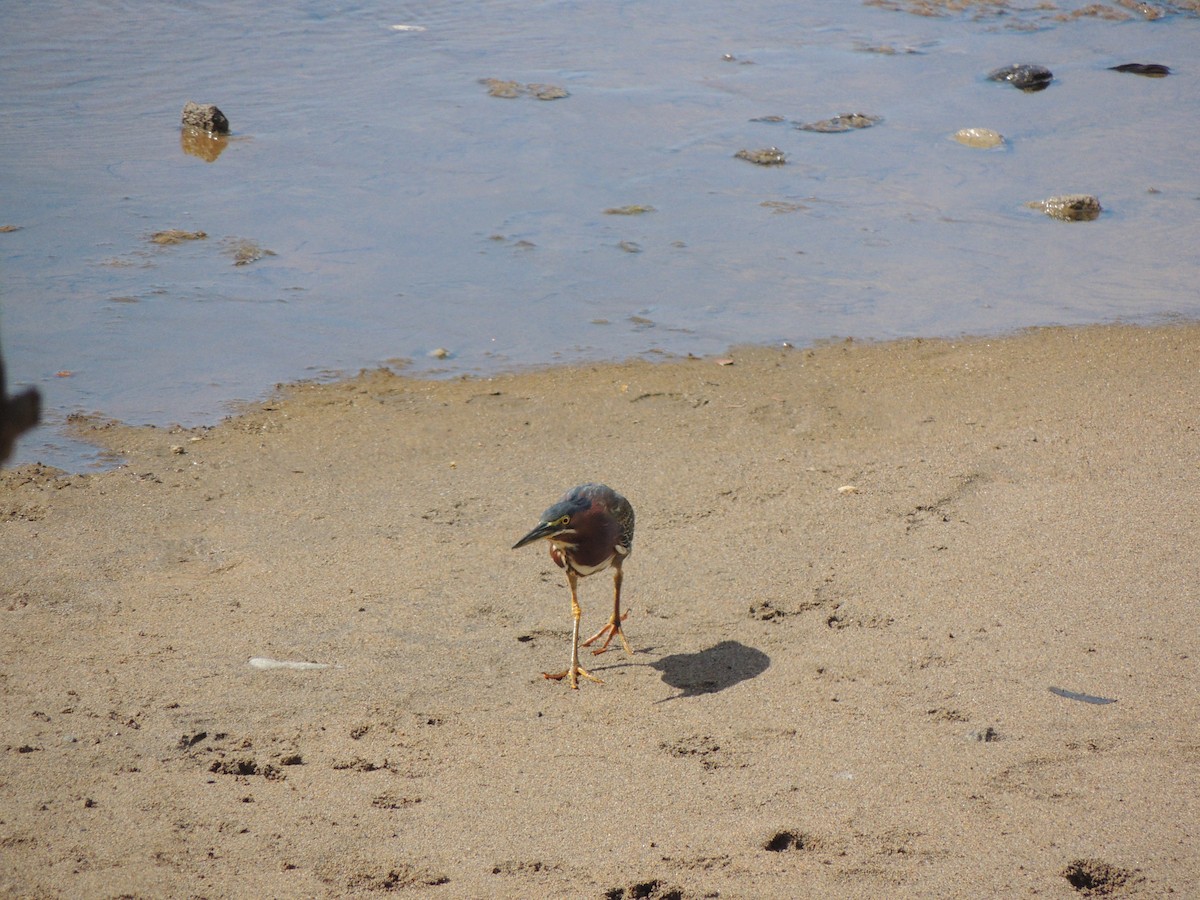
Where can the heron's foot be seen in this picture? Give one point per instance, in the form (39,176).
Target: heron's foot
(572,675)
(608,632)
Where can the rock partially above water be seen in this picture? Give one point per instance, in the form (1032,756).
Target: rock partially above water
(844,122)
(204,117)
(1025,76)
(1069,207)
(767,156)
(1150,70)
(979,137)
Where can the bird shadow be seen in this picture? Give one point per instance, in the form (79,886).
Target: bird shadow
(708,671)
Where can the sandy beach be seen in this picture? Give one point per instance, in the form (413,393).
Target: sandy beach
(858,572)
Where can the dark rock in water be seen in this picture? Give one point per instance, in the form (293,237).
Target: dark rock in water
(1024,76)
(1150,70)
(205,117)
(844,122)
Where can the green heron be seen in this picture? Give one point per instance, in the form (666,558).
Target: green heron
(589,530)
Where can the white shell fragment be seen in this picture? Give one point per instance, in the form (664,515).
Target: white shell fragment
(262,662)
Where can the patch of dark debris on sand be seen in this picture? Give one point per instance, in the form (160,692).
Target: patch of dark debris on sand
(646,890)
(777,610)
(1096,878)
(393,801)
(240,758)
(245,765)
(359,764)
(787,840)
(397,878)
(693,745)
(515,867)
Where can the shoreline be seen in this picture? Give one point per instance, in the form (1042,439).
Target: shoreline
(72,426)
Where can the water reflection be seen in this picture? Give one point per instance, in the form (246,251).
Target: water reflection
(409,210)
(202,144)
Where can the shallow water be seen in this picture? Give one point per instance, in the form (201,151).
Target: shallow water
(408,210)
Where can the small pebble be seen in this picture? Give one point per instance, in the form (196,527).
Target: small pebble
(838,124)
(767,156)
(1069,207)
(547,91)
(984,138)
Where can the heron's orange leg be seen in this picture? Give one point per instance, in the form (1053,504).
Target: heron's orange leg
(572,674)
(613,628)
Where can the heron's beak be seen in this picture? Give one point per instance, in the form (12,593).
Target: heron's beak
(544,529)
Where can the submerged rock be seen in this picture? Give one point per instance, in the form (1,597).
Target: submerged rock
(245,251)
(1025,76)
(979,137)
(506,90)
(844,122)
(767,156)
(635,209)
(176,236)
(204,117)
(547,91)
(510,90)
(1069,207)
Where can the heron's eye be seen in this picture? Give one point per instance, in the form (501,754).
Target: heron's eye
(564,520)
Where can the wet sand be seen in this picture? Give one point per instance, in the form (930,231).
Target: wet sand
(853,566)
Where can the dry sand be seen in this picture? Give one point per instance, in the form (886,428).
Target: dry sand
(852,564)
